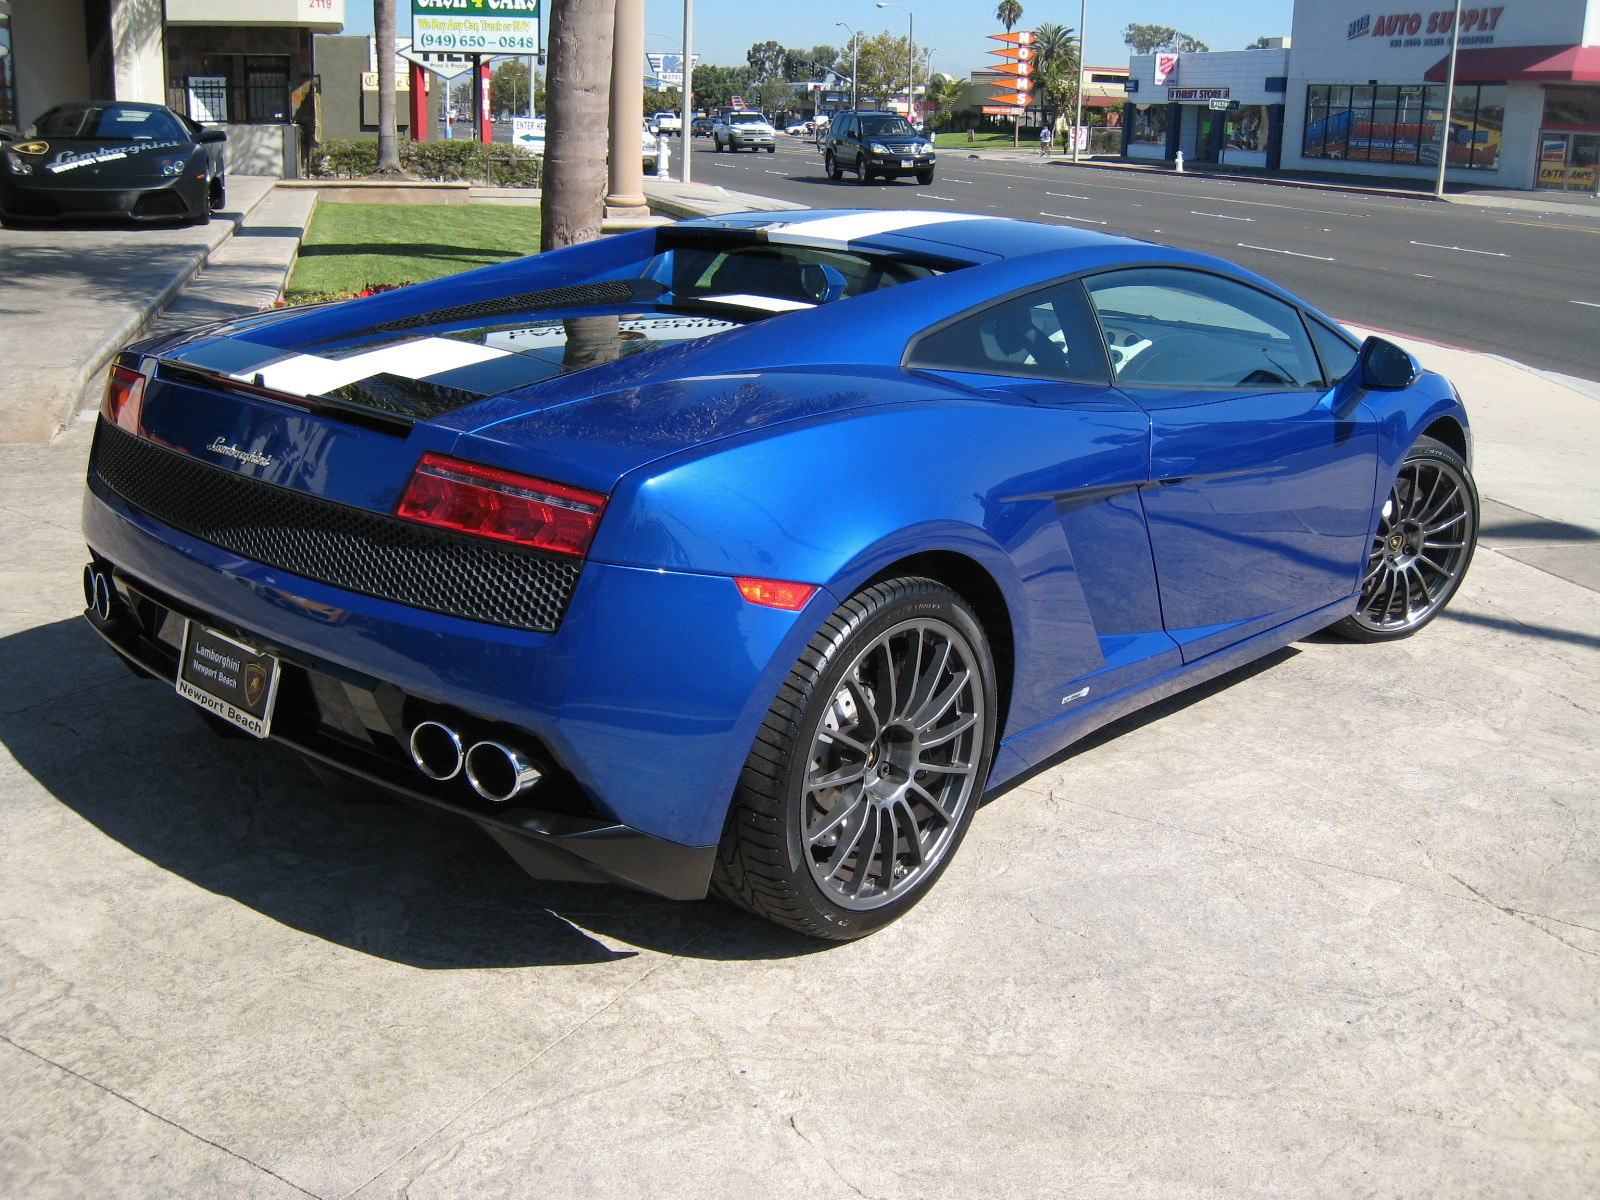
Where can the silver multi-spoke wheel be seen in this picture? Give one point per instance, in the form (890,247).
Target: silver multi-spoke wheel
(891,769)
(869,764)
(1424,541)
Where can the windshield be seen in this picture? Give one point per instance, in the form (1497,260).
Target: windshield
(886,127)
(746,118)
(110,121)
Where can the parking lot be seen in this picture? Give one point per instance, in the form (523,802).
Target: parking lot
(1325,926)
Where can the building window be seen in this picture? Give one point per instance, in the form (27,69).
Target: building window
(1149,125)
(1247,128)
(8,87)
(1572,108)
(1400,124)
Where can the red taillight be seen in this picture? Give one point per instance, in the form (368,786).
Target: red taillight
(124,396)
(488,502)
(775,593)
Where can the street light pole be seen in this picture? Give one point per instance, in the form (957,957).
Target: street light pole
(1077,107)
(911,70)
(686,121)
(855,101)
(1449,104)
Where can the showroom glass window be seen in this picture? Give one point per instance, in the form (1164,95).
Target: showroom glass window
(1400,123)
(8,90)
(1149,125)
(1247,128)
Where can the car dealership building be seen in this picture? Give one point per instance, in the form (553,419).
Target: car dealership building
(1362,90)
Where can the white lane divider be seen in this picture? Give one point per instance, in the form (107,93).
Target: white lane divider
(953,179)
(1462,249)
(931,196)
(783,173)
(1291,253)
(1065,217)
(1585,303)
(1223,216)
(1068,196)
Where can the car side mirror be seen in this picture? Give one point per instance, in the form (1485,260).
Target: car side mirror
(1385,366)
(822,283)
(211,135)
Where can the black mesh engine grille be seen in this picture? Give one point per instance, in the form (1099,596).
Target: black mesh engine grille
(335,543)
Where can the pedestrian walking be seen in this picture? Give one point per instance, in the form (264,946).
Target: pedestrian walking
(1045,134)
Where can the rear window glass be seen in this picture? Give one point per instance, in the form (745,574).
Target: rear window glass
(792,276)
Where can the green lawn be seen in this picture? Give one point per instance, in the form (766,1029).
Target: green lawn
(354,246)
(982,141)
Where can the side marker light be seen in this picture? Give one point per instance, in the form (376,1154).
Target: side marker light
(775,593)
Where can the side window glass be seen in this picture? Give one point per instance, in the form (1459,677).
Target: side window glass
(1048,334)
(1338,355)
(1166,327)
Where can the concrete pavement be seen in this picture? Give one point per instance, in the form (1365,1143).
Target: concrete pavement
(70,297)
(1329,926)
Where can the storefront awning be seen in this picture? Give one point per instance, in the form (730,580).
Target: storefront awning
(1504,64)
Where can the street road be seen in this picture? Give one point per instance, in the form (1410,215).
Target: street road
(1517,283)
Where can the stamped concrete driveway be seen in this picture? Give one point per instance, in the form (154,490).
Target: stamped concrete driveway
(1325,927)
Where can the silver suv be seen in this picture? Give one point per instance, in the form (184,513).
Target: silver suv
(743,131)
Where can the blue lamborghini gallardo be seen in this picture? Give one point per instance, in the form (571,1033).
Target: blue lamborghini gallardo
(744,554)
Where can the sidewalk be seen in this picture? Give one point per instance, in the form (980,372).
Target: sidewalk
(71,297)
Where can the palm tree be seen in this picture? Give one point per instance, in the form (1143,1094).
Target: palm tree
(1056,72)
(944,93)
(1008,13)
(388,143)
(578,100)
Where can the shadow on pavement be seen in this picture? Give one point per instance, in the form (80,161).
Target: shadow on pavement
(246,820)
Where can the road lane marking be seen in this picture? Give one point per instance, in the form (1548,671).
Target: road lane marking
(931,196)
(1420,276)
(953,179)
(1542,225)
(1065,217)
(1069,196)
(1585,303)
(784,173)
(1292,253)
(1462,249)
(1229,200)
(1194,212)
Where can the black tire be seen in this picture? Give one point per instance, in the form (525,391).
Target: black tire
(832,167)
(924,177)
(219,192)
(202,215)
(917,780)
(1423,546)
(717,144)
(863,174)
(772,149)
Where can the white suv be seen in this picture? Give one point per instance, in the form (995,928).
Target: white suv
(743,130)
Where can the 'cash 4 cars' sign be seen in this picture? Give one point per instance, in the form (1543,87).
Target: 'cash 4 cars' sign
(476,26)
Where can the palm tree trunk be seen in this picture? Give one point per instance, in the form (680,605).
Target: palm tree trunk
(388,143)
(577,106)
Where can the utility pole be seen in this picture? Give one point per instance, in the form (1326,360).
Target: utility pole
(1449,104)
(686,122)
(1077,108)
(855,99)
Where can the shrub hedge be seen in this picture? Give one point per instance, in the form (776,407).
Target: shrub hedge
(446,162)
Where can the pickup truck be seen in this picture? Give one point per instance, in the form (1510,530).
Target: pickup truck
(743,130)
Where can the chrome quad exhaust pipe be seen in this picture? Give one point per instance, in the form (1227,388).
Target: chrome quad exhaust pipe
(500,773)
(436,750)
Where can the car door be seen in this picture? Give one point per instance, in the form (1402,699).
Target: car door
(843,151)
(1073,525)
(1261,490)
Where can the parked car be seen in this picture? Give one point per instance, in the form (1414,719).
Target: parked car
(877,145)
(650,144)
(105,159)
(667,122)
(802,129)
(747,553)
(743,130)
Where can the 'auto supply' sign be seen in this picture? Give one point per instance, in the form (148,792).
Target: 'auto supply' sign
(1403,29)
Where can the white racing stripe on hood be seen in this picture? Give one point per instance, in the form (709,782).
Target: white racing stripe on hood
(310,375)
(837,232)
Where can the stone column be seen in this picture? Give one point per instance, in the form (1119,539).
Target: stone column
(626,195)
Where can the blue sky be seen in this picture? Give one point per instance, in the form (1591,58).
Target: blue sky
(725,29)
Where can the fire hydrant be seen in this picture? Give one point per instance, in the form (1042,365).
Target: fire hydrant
(1178,167)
